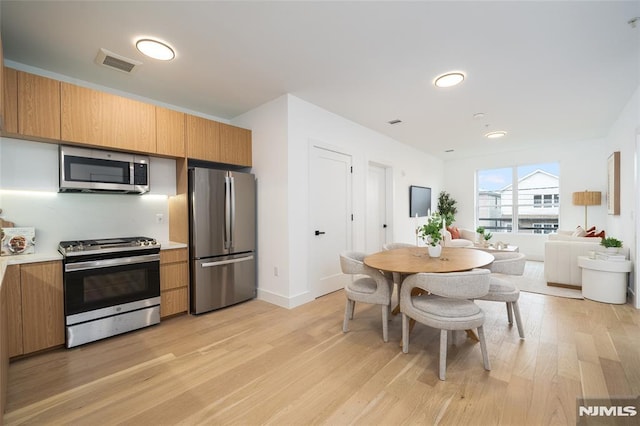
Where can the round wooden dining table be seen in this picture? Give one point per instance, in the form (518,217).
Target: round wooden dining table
(413,260)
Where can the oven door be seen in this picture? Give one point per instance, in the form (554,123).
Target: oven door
(92,285)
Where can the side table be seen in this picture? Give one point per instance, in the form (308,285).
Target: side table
(604,280)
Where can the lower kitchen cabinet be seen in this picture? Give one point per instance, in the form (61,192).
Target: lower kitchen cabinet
(13,297)
(174,282)
(35,307)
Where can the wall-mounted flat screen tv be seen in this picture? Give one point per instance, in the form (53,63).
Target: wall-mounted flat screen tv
(419,201)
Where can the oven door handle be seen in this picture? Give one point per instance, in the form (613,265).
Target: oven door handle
(107,263)
(226,262)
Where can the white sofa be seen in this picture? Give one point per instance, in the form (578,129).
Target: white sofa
(561,253)
(467,238)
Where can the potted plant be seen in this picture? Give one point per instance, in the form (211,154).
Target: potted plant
(487,236)
(611,244)
(431,233)
(480,231)
(447,207)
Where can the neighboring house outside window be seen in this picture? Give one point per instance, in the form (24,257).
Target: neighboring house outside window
(523,199)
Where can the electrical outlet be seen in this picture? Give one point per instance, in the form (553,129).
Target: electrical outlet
(159,218)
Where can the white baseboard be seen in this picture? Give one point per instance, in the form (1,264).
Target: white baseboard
(283,301)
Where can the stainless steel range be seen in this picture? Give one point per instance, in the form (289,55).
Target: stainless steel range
(111,286)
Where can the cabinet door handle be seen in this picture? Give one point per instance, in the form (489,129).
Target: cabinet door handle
(319,232)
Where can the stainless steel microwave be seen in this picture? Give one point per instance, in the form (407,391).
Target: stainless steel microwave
(94,170)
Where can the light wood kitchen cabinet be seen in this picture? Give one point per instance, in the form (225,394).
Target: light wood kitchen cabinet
(174,282)
(31,105)
(42,305)
(37,316)
(4,346)
(169,132)
(14,309)
(106,120)
(217,142)
(202,138)
(235,145)
(1,87)
(38,106)
(10,100)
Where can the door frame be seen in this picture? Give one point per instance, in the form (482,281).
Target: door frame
(388,178)
(313,143)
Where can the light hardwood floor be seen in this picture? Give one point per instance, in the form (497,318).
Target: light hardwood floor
(256,363)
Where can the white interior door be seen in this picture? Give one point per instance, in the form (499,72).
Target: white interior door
(330,218)
(376,216)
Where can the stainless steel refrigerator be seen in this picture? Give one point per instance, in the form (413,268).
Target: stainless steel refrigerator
(222,223)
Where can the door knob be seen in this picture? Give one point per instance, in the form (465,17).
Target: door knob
(384,226)
(319,232)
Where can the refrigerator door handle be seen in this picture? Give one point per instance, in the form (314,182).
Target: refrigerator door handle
(227,212)
(232,221)
(226,262)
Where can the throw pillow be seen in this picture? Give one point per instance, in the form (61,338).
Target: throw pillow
(455,232)
(595,234)
(579,232)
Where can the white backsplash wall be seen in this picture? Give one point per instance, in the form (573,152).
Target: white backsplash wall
(29,197)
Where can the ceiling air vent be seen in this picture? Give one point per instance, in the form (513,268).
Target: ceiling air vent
(116,62)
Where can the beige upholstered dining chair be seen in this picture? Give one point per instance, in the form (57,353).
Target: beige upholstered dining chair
(371,287)
(502,288)
(446,307)
(397,277)
(393,246)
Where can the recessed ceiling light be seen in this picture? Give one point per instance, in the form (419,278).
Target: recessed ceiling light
(448,150)
(495,135)
(449,79)
(396,121)
(478,115)
(155,49)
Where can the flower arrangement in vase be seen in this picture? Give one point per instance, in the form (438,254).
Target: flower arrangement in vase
(431,233)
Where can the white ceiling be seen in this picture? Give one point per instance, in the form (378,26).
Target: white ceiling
(546,72)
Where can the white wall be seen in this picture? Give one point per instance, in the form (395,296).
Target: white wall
(308,124)
(624,137)
(29,197)
(269,156)
(582,166)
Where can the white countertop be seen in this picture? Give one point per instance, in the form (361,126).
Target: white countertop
(47,256)
(170,245)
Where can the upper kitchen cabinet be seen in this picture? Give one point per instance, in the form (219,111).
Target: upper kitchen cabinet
(10,100)
(169,132)
(235,145)
(38,106)
(31,105)
(202,138)
(217,142)
(106,120)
